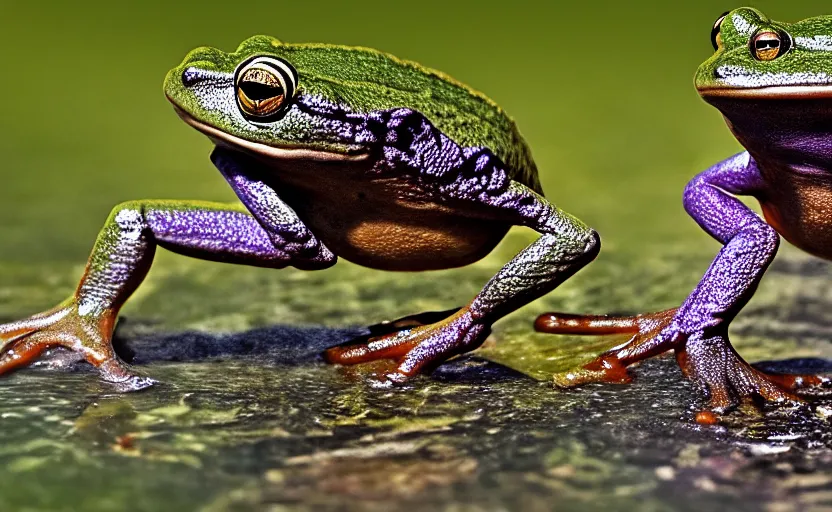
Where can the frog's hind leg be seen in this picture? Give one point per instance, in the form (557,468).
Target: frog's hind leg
(611,366)
(121,258)
(565,247)
(474,180)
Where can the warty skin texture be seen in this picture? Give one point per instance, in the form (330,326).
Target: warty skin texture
(376,160)
(779,106)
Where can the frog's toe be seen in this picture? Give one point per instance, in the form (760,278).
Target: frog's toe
(416,350)
(21,352)
(649,337)
(387,380)
(23,342)
(410,321)
(365,349)
(606,368)
(800,383)
(118,374)
(728,381)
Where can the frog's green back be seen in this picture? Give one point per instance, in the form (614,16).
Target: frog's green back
(371,80)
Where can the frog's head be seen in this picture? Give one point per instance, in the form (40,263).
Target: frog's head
(757,57)
(773,84)
(264,98)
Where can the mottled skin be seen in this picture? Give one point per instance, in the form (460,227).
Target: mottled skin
(773,83)
(333,151)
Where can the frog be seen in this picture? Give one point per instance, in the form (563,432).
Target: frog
(772,82)
(332,151)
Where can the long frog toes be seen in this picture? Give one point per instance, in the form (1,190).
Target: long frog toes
(725,378)
(22,342)
(415,350)
(650,334)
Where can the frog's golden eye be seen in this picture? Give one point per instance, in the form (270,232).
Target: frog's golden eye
(265,87)
(716,35)
(768,45)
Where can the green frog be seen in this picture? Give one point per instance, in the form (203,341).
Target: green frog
(333,151)
(772,82)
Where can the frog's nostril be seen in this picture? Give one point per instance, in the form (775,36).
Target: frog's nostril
(190,77)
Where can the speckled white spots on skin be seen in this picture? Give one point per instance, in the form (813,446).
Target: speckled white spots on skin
(818,43)
(131,223)
(87,307)
(740,76)
(205,93)
(742,25)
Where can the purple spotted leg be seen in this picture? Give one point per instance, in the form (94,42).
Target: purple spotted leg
(274,237)
(698,330)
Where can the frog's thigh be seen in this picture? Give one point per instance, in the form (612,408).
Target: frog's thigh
(227,233)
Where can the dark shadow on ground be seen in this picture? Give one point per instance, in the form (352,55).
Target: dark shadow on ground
(278,344)
(296,346)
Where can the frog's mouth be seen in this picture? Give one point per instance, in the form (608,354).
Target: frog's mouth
(780,92)
(220,137)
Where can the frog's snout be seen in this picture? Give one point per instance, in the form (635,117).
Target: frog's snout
(191,76)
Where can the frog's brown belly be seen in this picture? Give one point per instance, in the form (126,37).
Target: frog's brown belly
(370,224)
(799,207)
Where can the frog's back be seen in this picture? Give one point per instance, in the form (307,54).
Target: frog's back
(384,222)
(370,80)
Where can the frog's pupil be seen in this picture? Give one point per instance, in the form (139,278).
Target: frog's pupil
(767,44)
(257,91)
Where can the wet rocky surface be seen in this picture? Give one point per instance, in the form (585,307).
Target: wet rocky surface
(246,415)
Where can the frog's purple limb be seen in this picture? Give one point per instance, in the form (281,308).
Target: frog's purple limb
(285,230)
(474,177)
(701,324)
(698,330)
(750,243)
(120,260)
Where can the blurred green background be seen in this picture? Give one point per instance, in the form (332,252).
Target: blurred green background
(602,90)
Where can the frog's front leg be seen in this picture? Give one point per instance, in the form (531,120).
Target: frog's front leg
(122,256)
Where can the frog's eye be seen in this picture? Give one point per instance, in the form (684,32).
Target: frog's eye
(716,35)
(265,87)
(768,45)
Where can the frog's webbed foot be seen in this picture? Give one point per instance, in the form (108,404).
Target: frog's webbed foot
(728,381)
(611,366)
(415,350)
(705,356)
(85,333)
